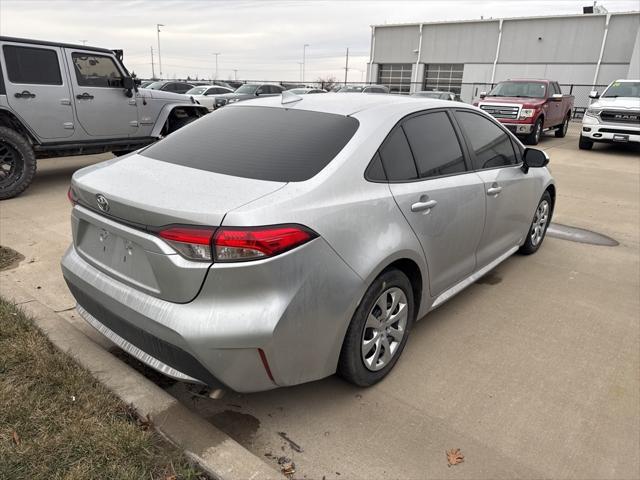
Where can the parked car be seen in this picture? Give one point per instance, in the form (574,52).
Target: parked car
(206,95)
(171,86)
(363,89)
(249,91)
(306,90)
(437,94)
(529,107)
(310,245)
(614,117)
(234,84)
(58,100)
(146,83)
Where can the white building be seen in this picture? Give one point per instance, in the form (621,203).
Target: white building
(464,57)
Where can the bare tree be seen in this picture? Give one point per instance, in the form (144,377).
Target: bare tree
(327,82)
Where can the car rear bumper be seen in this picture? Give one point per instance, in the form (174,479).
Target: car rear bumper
(295,308)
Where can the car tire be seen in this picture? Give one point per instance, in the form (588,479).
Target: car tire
(373,345)
(17,163)
(178,123)
(534,137)
(585,143)
(539,225)
(561,132)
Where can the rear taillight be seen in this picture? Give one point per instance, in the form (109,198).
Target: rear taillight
(234,244)
(193,243)
(71,195)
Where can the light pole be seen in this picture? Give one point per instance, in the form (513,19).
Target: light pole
(158,25)
(84,42)
(235,74)
(304,54)
(216,54)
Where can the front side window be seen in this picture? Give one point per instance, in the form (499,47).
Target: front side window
(491,145)
(38,66)
(435,145)
(96,71)
(397,159)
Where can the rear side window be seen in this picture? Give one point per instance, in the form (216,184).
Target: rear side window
(96,71)
(434,145)
(491,145)
(396,157)
(265,143)
(38,66)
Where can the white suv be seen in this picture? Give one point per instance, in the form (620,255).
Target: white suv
(614,116)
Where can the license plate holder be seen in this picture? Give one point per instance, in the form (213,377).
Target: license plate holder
(617,137)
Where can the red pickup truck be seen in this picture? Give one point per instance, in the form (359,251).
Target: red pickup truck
(529,107)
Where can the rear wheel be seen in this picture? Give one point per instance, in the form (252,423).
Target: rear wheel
(178,123)
(585,143)
(534,137)
(539,225)
(561,132)
(17,163)
(378,331)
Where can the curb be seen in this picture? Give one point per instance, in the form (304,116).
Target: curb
(213,450)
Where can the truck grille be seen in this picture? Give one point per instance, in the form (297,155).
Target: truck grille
(617,116)
(502,111)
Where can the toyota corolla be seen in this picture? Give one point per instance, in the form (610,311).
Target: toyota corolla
(277,241)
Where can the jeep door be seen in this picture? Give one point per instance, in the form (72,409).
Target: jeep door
(509,193)
(37,88)
(440,197)
(102,106)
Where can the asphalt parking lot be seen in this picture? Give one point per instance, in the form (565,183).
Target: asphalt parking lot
(533,372)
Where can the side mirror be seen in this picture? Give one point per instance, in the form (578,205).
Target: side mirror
(128,83)
(534,158)
(483,94)
(594,94)
(557,97)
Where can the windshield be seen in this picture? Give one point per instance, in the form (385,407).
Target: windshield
(519,89)
(197,91)
(156,85)
(351,89)
(250,89)
(622,89)
(285,145)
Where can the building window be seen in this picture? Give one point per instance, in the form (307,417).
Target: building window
(446,77)
(395,76)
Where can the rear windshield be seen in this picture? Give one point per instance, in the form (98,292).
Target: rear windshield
(264,143)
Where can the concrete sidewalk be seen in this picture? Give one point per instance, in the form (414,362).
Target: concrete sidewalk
(533,372)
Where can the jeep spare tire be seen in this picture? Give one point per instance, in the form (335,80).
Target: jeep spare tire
(17,163)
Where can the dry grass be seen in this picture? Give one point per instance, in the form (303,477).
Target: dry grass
(58,422)
(8,257)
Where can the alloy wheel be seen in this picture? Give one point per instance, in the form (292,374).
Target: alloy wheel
(539,224)
(385,328)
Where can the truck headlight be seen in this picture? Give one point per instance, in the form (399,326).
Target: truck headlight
(593,112)
(527,113)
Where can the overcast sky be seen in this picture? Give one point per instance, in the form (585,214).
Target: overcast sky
(261,39)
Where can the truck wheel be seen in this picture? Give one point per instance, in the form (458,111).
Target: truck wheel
(17,163)
(178,123)
(561,132)
(534,137)
(585,143)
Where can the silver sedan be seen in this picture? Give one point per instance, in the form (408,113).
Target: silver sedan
(277,241)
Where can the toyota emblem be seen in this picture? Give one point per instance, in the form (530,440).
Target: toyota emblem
(103,203)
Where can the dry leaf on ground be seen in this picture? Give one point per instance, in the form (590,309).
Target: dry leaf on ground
(454,456)
(16,438)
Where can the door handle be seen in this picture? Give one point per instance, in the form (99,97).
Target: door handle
(84,96)
(425,206)
(494,191)
(24,94)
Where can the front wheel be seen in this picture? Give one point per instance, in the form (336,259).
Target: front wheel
(539,225)
(17,163)
(378,331)
(534,137)
(585,143)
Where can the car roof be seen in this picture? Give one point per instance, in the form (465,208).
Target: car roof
(349,105)
(55,44)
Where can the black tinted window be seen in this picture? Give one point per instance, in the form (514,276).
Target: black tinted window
(375,172)
(32,65)
(396,157)
(492,146)
(96,71)
(434,145)
(258,142)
